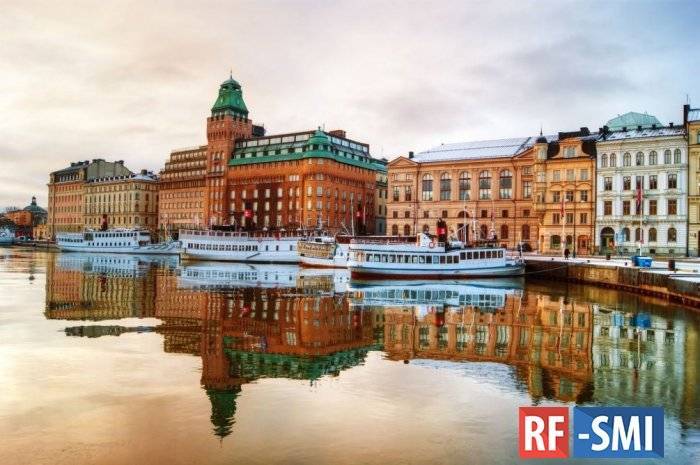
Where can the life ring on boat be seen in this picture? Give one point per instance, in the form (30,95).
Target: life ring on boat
(431,244)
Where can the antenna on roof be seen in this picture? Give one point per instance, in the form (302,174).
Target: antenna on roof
(230,73)
(540,129)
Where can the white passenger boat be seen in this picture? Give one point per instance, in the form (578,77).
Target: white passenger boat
(7,237)
(429,258)
(131,241)
(324,251)
(221,245)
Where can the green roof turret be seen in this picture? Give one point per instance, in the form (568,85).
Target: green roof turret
(230,99)
(319,141)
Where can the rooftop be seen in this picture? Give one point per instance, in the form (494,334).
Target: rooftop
(694,114)
(632,120)
(496,148)
(664,131)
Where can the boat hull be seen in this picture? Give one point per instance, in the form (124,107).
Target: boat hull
(244,257)
(313,262)
(148,250)
(366,273)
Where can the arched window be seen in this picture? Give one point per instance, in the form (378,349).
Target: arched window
(525,232)
(465,185)
(667,157)
(677,156)
(626,234)
(652,234)
(426,228)
(604,161)
(698,138)
(653,157)
(671,234)
(613,160)
(427,186)
(504,231)
(485,185)
(555,242)
(639,159)
(445,186)
(483,231)
(406,230)
(627,159)
(638,235)
(395,230)
(506,185)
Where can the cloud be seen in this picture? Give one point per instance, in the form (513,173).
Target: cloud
(133,80)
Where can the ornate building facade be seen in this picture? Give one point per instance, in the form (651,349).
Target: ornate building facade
(691,118)
(481,189)
(642,187)
(181,189)
(564,176)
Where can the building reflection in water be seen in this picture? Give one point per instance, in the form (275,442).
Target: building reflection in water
(250,322)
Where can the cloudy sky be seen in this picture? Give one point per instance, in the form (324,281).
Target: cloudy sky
(133,80)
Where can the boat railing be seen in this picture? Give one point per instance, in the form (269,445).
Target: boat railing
(391,240)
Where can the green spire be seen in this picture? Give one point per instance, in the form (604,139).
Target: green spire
(319,141)
(230,99)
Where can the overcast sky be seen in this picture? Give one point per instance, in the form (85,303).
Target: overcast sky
(134,80)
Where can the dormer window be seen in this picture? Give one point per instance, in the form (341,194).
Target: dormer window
(570,152)
(542,155)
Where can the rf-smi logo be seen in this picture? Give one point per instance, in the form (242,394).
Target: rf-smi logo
(598,432)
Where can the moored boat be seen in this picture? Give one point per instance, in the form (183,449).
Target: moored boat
(129,241)
(324,251)
(7,237)
(430,257)
(235,246)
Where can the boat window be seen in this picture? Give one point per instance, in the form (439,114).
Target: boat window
(384,258)
(482,254)
(456,258)
(414,259)
(421,259)
(463,255)
(392,258)
(442,259)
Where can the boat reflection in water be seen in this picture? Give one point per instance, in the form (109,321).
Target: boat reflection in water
(495,320)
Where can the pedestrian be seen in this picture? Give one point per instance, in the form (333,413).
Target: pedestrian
(566,253)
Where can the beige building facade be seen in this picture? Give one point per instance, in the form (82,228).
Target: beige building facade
(691,117)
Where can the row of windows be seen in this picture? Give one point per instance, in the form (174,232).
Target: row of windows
(671,235)
(505,186)
(671,207)
(569,217)
(640,158)
(653,184)
(483,231)
(236,247)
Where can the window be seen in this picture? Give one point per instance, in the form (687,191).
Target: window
(569,196)
(526,213)
(407,194)
(639,182)
(555,242)
(484,213)
(395,214)
(465,185)
(607,207)
(527,189)
(604,161)
(626,234)
(570,152)
(653,157)
(583,196)
(677,156)
(672,206)
(672,181)
(504,231)
(697,138)
(556,196)
(607,183)
(395,229)
(504,214)
(395,195)
(506,184)
(652,207)
(584,174)
(627,159)
(653,182)
(525,232)
(445,186)
(407,214)
(639,159)
(613,160)
(638,235)
(556,218)
(626,183)
(556,175)
(671,234)
(540,176)
(569,218)
(406,230)
(625,207)
(570,176)
(667,157)
(652,234)
(583,218)
(427,187)
(484,185)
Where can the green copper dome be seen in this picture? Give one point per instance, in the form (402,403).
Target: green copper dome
(632,120)
(319,139)
(230,99)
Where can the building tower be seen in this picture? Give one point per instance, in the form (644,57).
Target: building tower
(228,122)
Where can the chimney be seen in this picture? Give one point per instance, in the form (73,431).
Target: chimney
(144,172)
(639,127)
(410,155)
(686,110)
(624,128)
(653,126)
(338,133)
(670,125)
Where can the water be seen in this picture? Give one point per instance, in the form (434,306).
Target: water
(120,360)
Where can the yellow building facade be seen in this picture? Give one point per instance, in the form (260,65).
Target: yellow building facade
(691,117)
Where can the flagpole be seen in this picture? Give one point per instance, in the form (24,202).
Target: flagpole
(563,225)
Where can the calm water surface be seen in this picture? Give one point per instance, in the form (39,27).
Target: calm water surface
(126,360)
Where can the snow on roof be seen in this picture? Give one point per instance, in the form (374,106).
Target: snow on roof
(496,148)
(694,114)
(644,133)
